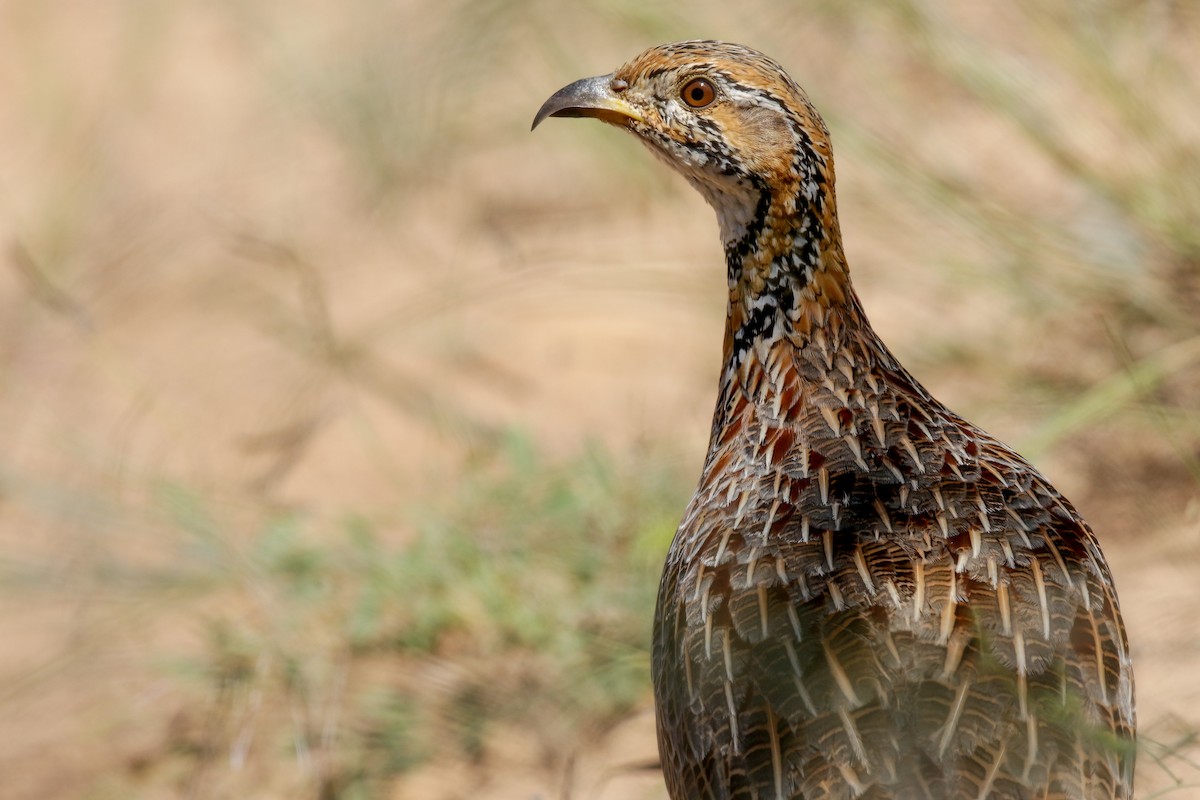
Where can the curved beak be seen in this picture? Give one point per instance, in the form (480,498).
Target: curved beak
(597,97)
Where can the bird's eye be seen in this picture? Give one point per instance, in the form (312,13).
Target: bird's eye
(698,93)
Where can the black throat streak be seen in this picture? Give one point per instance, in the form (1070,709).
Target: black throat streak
(770,269)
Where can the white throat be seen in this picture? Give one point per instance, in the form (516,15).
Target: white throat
(736,203)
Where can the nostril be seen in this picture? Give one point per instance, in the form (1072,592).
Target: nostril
(618,85)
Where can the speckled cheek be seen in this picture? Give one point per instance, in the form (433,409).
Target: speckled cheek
(670,114)
(688,161)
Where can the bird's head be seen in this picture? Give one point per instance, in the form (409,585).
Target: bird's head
(731,121)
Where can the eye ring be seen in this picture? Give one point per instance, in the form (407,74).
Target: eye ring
(698,93)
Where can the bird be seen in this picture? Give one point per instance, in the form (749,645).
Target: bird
(867,596)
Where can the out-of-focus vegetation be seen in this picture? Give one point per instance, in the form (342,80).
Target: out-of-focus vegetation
(345,423)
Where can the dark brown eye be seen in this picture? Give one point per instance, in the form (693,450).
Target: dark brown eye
(698,93)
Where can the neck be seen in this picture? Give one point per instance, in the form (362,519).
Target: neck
(801,359)
(787,277)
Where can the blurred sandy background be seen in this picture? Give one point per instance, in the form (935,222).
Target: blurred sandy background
(344,423)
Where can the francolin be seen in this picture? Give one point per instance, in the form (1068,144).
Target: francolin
(868,597)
